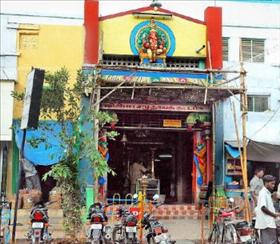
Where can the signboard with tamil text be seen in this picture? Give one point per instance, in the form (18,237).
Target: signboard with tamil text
(156,107)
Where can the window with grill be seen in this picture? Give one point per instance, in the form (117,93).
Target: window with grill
(172,62)
(257,103)
(253,50)
(225,48)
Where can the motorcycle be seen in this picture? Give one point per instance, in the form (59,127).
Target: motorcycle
(126,231)
(156,232)
(39,224)
(235,230)
(98,232)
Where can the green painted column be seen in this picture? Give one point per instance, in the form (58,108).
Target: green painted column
(89,201)
(201,64)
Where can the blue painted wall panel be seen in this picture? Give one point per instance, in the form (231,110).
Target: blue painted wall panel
(219,146)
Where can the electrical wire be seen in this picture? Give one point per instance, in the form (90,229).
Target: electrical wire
(267,122)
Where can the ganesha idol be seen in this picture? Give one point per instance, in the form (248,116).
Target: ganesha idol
(153,47)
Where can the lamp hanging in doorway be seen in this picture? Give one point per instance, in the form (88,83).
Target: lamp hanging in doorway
(124,139)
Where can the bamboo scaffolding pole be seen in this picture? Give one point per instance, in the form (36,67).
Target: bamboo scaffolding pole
(171,87)
(211,74)
(212,211)
(227,81)
(96,108)
(244,125)
(244,173)
(164,69)
(151,128)
(98,101)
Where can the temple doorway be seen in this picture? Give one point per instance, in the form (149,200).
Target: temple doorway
(166,153)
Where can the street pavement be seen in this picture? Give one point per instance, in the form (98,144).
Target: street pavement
(184,231)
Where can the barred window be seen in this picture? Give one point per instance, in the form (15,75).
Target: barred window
(253,50)
(257,103)
(225,48)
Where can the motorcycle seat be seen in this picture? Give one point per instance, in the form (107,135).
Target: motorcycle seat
(237,222)
(241,224)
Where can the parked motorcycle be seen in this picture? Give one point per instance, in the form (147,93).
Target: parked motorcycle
(126,231)
(235,230)
(39,219)
(156,232)
(98,232)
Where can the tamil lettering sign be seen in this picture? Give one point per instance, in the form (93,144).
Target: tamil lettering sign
(155,107)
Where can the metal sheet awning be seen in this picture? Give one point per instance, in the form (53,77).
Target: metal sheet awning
(263,152)
(43,146)
(232,151)
(256,151)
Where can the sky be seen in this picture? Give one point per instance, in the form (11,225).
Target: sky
(233,11)
(75,7)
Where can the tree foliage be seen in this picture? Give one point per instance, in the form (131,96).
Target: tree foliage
(62,102)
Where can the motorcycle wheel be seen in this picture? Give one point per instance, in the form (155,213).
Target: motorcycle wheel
(151,240)
(134,241)
(96,242)
(35,240)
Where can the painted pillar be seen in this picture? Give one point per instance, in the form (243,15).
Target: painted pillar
(213,20)
(91,24)
(195,174)
(208,159)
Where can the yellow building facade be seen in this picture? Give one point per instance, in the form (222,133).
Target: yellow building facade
(49,47)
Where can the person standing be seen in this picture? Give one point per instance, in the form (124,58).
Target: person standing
(32,179)
(265,212)
(137,170)
(256,184)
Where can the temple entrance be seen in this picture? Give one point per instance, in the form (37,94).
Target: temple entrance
(166,153)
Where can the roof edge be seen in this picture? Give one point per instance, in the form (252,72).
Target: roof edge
(111,16)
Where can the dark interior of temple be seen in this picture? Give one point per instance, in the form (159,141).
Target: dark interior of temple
(142,137)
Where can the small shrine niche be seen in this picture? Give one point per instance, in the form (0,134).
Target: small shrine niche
(153,43)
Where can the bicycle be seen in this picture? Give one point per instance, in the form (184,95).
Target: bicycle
(224,230)
(215,234)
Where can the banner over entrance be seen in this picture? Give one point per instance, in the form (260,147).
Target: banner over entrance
(156,107)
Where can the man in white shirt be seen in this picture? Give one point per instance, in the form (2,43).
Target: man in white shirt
(265,212)
(256,184)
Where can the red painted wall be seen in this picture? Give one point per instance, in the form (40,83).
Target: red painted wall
(213,20)
(91,24)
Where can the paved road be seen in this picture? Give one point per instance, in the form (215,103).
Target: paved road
(184,231)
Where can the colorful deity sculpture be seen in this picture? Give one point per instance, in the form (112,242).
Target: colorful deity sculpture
(153,45)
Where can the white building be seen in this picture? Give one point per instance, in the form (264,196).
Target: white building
(8,77)
(260,42)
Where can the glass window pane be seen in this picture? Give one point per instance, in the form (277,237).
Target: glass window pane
(261,103)
(225,48)
(253,50)
(258,50)
(246,49)
(250,103)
